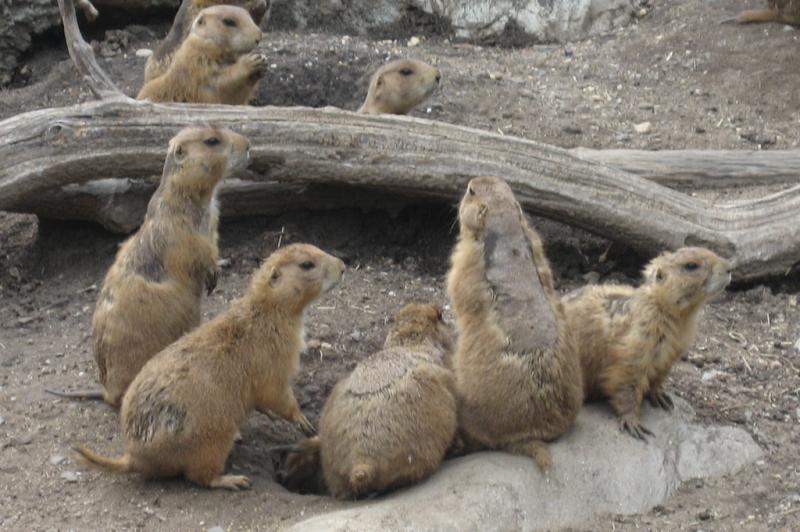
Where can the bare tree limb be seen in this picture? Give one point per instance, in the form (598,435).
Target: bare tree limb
(703,169)
(403,156)
(82,54)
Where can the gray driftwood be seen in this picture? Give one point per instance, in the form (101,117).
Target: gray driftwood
(319,155)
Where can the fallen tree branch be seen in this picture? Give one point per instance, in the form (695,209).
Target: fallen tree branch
(402,156)
(703,169)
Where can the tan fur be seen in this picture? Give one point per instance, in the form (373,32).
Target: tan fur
(391,421)
(511,397)
(214,63)
(182,411)
(151,295)
(158,63)
(399,86)
(629,337)
(784,11)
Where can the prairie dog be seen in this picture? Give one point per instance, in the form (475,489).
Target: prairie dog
(214,63)
(783,11)
(181,413)
(629,337)
(518,377)
(152,294)
(399,86)
(391,421)
(159,62)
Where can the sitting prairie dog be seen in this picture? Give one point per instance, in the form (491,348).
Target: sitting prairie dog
(214,63)
(152,294)
(391,421)
(399,86)
(159,62)
(518,376)
(629,337)
(181,413)
(783,11)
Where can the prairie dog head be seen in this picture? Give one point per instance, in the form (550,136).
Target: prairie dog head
(399,86)
(688,277)
(229,29)
(487,197)
(256,8)
(198,158)
(296,275)
(419,324)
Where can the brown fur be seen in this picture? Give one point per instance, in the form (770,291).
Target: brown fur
(399,86)
(214,63)
(517,370)
(391,421)
(783,11)
(629,337)
(158,63)
(182,411)
(151,295)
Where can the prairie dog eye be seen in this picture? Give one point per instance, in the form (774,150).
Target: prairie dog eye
(211,141)
(231,23)
(406,71)
(690,266)
(307,265)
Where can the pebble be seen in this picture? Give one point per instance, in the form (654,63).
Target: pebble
(711,374)
(215,529)
(57,459)
(144,52)
(413,41)
(643,128)
(356,335)
(70,476)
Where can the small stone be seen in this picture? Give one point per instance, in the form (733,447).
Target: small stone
(711,374)
(57,459)
(144,52)
(70,476)
(572,130)
(642,128)
(356,335)
(792,301)
(497,76)
(413,41)
(705,515)
(215,529)
(591,277)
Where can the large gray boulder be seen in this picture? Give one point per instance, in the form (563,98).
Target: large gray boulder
(597,469)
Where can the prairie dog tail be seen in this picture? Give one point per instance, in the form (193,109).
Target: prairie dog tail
(361,476)
(114,465)
(758,15)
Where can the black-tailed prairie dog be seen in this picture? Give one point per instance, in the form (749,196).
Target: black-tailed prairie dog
(214,64)
(629,338)
(159,62)
(399,86)
(518,377)
(784,11)
(152,294)
(181,413)
(391,421)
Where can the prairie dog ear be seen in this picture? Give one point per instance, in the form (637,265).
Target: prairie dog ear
(380,81)
(274,276)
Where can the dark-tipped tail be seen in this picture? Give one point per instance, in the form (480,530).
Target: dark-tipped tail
(114,465)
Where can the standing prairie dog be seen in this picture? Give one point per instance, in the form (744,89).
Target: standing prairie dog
(214,63)
(784,11)
(391,421)
(399,86)
(182,411)
(152,294)
(159,62)
(518,377)
(629,337)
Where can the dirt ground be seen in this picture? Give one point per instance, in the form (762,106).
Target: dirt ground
(699,84)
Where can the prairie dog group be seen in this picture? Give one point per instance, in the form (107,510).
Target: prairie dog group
(181,413)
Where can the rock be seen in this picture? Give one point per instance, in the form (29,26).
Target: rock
(144,52)
(215,529)
(711,374)
(596,469)
(57,459)
(413,41)
(643,128)
(70,476)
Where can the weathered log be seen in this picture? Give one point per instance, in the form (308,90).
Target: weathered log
(703,169)
(410,157)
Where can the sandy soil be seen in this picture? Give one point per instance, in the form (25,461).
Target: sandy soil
(700,85)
